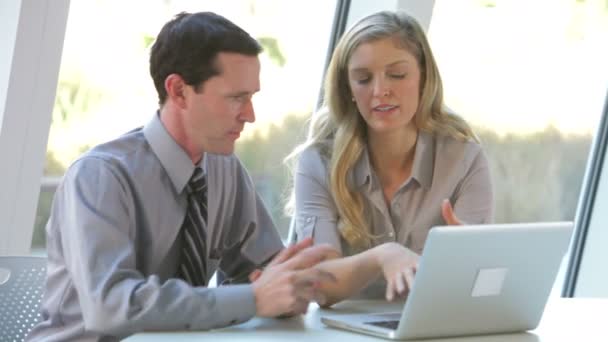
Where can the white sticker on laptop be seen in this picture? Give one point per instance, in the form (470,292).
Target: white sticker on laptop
(489,282)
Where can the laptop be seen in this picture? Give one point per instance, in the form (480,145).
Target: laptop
(474,280)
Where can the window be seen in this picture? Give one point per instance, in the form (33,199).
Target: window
(531,77)
(588,248)
(105,90)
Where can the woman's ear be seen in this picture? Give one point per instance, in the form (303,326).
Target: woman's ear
(176,88)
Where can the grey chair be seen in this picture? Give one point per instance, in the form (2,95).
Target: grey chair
(21,289)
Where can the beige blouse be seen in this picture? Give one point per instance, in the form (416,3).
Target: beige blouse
(443,168)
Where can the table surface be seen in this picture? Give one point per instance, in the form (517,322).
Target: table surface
(564,319)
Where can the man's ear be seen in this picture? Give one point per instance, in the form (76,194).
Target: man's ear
(176,88)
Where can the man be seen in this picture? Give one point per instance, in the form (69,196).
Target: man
(140,224)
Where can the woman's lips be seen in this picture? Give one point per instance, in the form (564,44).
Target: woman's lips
(384,109)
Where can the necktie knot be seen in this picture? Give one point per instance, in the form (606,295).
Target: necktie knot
(198,182)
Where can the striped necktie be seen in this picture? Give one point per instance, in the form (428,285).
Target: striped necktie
(193,267)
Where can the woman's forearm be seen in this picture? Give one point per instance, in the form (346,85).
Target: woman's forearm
(352,273)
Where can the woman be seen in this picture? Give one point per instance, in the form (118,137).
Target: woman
(384,161)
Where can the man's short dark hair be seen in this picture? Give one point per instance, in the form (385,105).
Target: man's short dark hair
(189,44)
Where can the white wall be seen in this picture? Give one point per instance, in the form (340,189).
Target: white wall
(32,33)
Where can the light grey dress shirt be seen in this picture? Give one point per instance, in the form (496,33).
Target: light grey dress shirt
(443,168)
(114,242)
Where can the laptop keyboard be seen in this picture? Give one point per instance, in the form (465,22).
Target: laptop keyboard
(385,324)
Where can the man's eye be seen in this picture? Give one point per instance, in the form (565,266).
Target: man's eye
(239,98)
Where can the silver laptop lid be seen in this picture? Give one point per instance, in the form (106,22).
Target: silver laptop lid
(483,279)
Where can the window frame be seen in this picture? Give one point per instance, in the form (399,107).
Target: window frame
(583,223)
(33,48)
(33,32)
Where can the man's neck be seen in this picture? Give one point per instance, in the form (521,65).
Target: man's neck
(171,119)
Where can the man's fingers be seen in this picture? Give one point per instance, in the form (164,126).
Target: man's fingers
(253,276)
(312,277)
(301,306)
(306,284)
(288,252)
(305,291)
(320,298)
(310,256)
(281,256)
(448,213)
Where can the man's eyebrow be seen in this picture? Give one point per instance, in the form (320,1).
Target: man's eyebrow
(241,93)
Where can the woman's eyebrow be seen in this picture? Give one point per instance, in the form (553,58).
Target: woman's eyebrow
(365,69)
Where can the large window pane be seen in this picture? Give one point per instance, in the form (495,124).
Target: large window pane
(105,90)
(531,77)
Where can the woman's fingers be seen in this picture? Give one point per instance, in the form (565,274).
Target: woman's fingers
(390,292)
(448,214)
(408,274)
(399,284)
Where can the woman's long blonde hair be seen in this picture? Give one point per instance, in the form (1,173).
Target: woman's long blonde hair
(338,129)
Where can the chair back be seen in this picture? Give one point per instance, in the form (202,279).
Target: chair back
(21,288)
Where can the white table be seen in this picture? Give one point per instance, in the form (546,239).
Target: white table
(570,320)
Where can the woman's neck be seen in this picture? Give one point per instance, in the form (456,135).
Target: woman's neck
(392,157)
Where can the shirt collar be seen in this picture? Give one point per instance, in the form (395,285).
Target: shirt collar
(363,170)
(172,157)
(422,169)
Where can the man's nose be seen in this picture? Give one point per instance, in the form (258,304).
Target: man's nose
(247,112)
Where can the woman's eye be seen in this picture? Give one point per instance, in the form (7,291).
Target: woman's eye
(397,76)
(363,80)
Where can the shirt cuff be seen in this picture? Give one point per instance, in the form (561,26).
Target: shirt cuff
(235,304)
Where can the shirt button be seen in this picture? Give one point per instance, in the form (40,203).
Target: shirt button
(309,219)
(391,234)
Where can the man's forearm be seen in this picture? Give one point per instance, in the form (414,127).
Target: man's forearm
(169,306)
